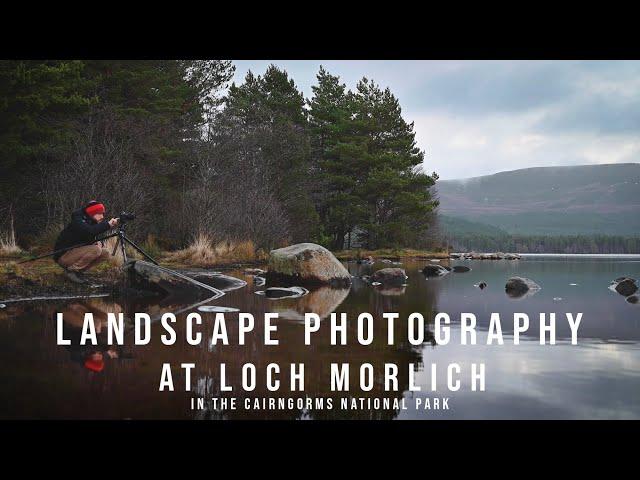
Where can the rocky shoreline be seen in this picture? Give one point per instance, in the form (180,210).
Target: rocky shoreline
(485,256)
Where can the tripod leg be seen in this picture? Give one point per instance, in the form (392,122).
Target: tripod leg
(115,247)
(123,247)
(145,254)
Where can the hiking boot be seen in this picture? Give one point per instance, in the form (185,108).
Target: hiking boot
(75,277)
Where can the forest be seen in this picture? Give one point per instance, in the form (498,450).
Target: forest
(206,163)
(200,159)
(569,244)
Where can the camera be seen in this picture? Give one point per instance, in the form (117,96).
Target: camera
(126,217)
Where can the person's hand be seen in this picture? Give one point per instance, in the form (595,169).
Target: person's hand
(113,222)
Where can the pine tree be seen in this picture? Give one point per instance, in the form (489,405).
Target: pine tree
(265,120)
(338,151)
(393,187)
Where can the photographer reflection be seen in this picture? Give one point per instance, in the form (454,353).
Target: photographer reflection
(92,357)
(86,223)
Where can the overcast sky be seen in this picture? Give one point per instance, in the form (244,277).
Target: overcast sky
(480,117)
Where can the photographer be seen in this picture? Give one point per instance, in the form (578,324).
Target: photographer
(86,223)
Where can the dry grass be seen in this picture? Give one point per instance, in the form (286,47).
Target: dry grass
(205,253)
(8,244)
(114,260)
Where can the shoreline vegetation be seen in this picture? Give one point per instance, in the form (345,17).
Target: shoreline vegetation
(44,276)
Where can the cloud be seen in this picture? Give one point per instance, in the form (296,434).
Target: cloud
(480,117)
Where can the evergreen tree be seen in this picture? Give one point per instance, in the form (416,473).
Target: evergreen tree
(265,120)
(392,184)
(338,151)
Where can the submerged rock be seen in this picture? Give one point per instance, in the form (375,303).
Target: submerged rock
(390,276)
(217,280)
(276,293)
(217,309)
(461,269)
(434,270)
(482,285)
(626,287)
(632,299)
(146,275)
(518,287)
(307,263)
(259,281)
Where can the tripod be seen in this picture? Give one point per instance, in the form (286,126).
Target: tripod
(121,242)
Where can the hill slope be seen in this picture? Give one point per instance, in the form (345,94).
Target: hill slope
(588,199)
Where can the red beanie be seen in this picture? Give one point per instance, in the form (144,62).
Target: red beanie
(94,365)
(94,208)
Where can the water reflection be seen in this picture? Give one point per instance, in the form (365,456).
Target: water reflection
(596,379)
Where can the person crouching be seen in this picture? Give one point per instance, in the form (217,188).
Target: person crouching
(86,223)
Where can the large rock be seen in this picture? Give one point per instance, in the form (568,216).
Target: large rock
(520,286)
(626,287)
(431,270)
(215,279)
(170,282)
(390,277)
(307,263)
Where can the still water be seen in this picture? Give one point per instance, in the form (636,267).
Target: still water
(597,379)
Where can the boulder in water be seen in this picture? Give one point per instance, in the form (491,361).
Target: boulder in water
(461,269)
(307,263)
(518,287)
(482,285)
(626,287)
(434,270)
(148,276)
(390,276)
(632,299)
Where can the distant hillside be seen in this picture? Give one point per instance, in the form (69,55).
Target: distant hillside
(579,200)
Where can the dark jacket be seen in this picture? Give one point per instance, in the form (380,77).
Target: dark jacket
(82,229)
